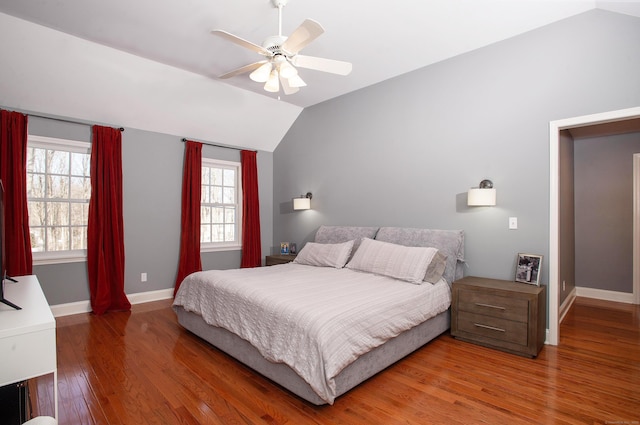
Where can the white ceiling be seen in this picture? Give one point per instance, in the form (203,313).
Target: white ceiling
(382,39)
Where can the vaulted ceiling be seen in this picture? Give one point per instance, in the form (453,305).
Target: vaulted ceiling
(171,42)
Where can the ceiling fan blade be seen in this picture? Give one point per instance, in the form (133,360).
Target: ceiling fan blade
(308,31)
(286,87)
(241,42)
(242,70)
(321,64)
(296,81)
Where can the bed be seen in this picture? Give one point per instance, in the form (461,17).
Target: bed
(355,301)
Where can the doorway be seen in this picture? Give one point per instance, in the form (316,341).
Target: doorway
(617,121)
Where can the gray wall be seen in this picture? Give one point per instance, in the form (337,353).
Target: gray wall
(404,152)
(152,185)
(604,211)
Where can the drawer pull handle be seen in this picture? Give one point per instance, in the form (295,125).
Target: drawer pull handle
(497,307)
(488,327)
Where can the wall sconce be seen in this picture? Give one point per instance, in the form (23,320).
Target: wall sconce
(482,196)
(303,202)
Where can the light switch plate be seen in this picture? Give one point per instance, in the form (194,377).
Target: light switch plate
(513,223)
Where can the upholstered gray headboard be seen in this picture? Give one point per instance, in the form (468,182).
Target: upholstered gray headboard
(449,242)
(339,234)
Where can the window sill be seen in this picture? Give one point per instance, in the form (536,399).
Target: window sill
(59,260)
(220,248)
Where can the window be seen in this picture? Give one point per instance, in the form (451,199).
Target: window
(58,193)
(220,205)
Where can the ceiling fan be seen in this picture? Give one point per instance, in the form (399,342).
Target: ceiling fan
(282,56)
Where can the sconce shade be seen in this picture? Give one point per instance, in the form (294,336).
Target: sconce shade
(303,202)
(477,197)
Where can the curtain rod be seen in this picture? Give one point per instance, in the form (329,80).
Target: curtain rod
(223,146)
(64,120)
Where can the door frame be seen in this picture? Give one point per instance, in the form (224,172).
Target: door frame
(555,127)
(636,228)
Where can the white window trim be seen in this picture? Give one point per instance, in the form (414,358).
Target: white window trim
(227,246)
(64,144)
(59,257)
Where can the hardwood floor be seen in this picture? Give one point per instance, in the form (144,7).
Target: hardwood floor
(143,368)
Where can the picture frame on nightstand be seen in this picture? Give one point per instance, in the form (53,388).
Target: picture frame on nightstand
(528,268)
(284,248)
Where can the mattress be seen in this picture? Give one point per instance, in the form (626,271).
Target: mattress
(316,320)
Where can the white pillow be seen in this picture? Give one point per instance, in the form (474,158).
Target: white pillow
(397,261)
(325,254)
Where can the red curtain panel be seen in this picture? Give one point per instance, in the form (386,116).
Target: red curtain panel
(105,229)
(251,245)
(13,164)
(190,260)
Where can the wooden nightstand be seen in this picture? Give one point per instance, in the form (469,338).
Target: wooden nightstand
(508,316)
(272,260)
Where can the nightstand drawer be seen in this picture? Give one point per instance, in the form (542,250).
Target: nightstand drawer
(493,305)
(493,327)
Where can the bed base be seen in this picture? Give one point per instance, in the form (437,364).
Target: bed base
(360,370)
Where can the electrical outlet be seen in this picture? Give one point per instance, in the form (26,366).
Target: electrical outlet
(143,277)
(513,223)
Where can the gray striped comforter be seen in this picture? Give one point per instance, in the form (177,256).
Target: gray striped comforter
(317,320)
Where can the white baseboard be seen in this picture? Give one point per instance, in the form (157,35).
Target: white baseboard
(567,303)
(68,309)
(564,309)
(147,297)
(85,306)
(603,294)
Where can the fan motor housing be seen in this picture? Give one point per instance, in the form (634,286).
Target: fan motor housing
(273,44)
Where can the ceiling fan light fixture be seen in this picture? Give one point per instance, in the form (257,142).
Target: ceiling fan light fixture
(273,85)
(296,81)
(281,57)
(287,70)
(261,75)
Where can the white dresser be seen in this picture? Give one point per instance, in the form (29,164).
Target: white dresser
(27,336)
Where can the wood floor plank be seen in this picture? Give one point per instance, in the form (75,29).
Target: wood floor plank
(142,367)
